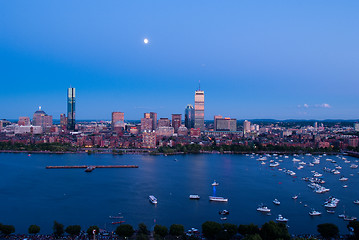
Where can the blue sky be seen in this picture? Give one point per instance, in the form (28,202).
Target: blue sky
(255,59)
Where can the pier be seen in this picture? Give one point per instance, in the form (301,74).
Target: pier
(95,166)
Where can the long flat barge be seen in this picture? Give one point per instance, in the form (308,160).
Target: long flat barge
(95,166)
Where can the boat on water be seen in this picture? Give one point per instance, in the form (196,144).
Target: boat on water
(280,218)
(89,169)
(224,212)
(215,183)
(295,197)
(347,218)
(194,196)
(343,178)
(152,199)
(263,208)
(356,202)
(218,199)
(315,213)
(275,164)
(276,202)
(331,211)
(354,166)
(223,218)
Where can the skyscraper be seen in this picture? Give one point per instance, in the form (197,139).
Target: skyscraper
(199,110)
(40,118)
(71,109)
(189,116)
(118,121)
(176,121)
(153,115)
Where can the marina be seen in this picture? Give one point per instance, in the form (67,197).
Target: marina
(73,197)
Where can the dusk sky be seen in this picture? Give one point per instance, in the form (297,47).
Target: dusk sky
(255,59)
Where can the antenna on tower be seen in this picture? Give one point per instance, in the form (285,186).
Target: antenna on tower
(199,85)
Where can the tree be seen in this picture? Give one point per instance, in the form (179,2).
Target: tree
(250,229)
(7,229)
(252,237)
(272,230)
(328,230)
(34,229)
(161,230)
(58,229)
(354,226)
(73,230)
(91,229)
(124,230)
(211,229)
(229,229)
(142,229)
(176,230)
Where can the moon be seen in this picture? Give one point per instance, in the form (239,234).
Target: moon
(145,40)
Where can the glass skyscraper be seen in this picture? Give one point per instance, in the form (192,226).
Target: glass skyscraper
(199,110)
(189,116)
(71,109)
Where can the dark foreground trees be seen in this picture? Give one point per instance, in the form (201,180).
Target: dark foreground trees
(161,230)
(354,227)
(328,230)
(58,229)
(34,229)
(124,230)
(272,230)
(211,229)
(73,230)
(93,229)
(176,230)
(7,229)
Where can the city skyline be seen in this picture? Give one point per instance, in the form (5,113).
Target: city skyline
(256,60)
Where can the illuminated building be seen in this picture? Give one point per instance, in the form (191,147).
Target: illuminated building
(199,110)
(71,121)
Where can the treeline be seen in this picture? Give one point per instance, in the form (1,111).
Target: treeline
(210,230)
(51,147)
(235,148)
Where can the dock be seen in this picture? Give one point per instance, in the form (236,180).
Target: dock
(95,166)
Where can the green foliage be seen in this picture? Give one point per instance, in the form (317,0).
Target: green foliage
(124,230)
(231,229)
(328,230)
(272,230)
(91,228)
(58,229)
(34,229)
(142,236)
(7,229)
(73,230)
(176,230)
(52,147)
(142,229)
(250,229)
(211,229)
(355,226)
(252,237)
(161,230)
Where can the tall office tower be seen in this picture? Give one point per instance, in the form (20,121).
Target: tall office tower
(189,116)
(1,126)
(225,124)
(199,110)
(153,115)
(40,118)
(63,120)
(176,121)
(23,121)
(118,121)
(146,123)
(164,122)
(71,109)
(246,127)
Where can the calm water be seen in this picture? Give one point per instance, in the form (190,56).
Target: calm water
(31,194)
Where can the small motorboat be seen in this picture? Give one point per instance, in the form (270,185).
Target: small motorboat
(215,183)
(89,169)
(314,213)
(276,202)
(280,218)
(223,218)
(194,196)
(295,197)
(356,202)
(331,211)
(263,208)
(224,212)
